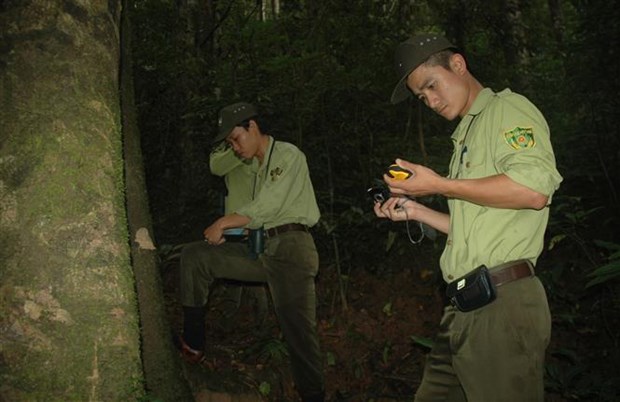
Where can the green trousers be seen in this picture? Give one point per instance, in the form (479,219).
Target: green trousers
(493,354)
(231,295)
(289,266)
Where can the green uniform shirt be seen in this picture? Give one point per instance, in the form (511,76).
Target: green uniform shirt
(238,176)
(503,133)
(280,189)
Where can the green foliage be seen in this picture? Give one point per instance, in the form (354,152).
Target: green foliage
(272,350)
(567,375)
(385,355)
(150,398)
(331,359)
(264,388)
(387,309)
(609,271)
(426,342)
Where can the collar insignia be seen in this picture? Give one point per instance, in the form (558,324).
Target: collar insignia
(520,138)
(275,173)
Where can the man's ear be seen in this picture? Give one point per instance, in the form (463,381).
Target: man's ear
(458,64)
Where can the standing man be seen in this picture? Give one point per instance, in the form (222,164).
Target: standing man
(492,340)
(283,207)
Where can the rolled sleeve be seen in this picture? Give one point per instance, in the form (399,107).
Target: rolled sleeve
(222,160)
(535,174)
(531,165)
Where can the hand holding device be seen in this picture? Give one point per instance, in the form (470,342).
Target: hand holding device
(399,173)
(379,193)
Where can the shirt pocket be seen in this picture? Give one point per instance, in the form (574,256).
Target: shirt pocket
(474,164)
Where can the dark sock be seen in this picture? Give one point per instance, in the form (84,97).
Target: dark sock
(194,327)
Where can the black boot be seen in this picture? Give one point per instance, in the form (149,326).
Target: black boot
(194,331)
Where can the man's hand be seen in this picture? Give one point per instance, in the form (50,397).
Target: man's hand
(214,235)
(397,209)
(403,208)
(423,182)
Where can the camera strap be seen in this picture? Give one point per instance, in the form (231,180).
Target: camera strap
(422,233)
(463,149)
(266,169)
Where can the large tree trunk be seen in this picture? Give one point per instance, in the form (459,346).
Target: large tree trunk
(162,366)
(516,49)
(68,317)
(557,21)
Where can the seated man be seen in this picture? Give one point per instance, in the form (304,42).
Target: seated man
(283,207)
(238,176)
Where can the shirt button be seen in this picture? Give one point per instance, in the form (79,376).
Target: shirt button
(449,242)
(450,277)
(467,164)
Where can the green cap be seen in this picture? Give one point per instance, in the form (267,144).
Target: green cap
(410,54)
(232,116)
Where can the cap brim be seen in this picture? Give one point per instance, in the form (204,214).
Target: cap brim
(222,135)
(401,92)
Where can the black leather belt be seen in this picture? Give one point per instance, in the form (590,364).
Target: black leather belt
(510,271)
(285,228)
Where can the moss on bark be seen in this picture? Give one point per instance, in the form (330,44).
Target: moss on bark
(68,315)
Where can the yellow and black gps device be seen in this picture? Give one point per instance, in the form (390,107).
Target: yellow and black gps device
(398,173)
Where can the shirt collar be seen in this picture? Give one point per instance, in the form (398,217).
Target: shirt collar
(267,157)
(481,101)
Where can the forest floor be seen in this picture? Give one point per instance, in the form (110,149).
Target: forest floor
(374,348)
(368,346)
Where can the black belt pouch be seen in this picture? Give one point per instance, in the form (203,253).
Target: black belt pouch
(256,242)
(472,291)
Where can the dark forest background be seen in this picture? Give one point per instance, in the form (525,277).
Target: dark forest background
(321,72)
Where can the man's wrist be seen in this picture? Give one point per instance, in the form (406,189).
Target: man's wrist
(445,186)
(220,224)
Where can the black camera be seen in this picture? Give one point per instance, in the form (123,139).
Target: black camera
(379,192)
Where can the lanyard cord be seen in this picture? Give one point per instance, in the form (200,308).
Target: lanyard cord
(464,147)
(266,169)
(422,234)
(469,126)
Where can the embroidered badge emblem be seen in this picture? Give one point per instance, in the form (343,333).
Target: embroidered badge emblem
(275,173)
(520,137)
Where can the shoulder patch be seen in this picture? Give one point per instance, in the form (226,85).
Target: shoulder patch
(520,137)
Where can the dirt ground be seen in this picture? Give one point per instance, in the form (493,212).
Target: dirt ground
(373,350)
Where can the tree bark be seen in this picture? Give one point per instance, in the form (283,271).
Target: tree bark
(557,21)
(68,314)
(162,366)
(516,49)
